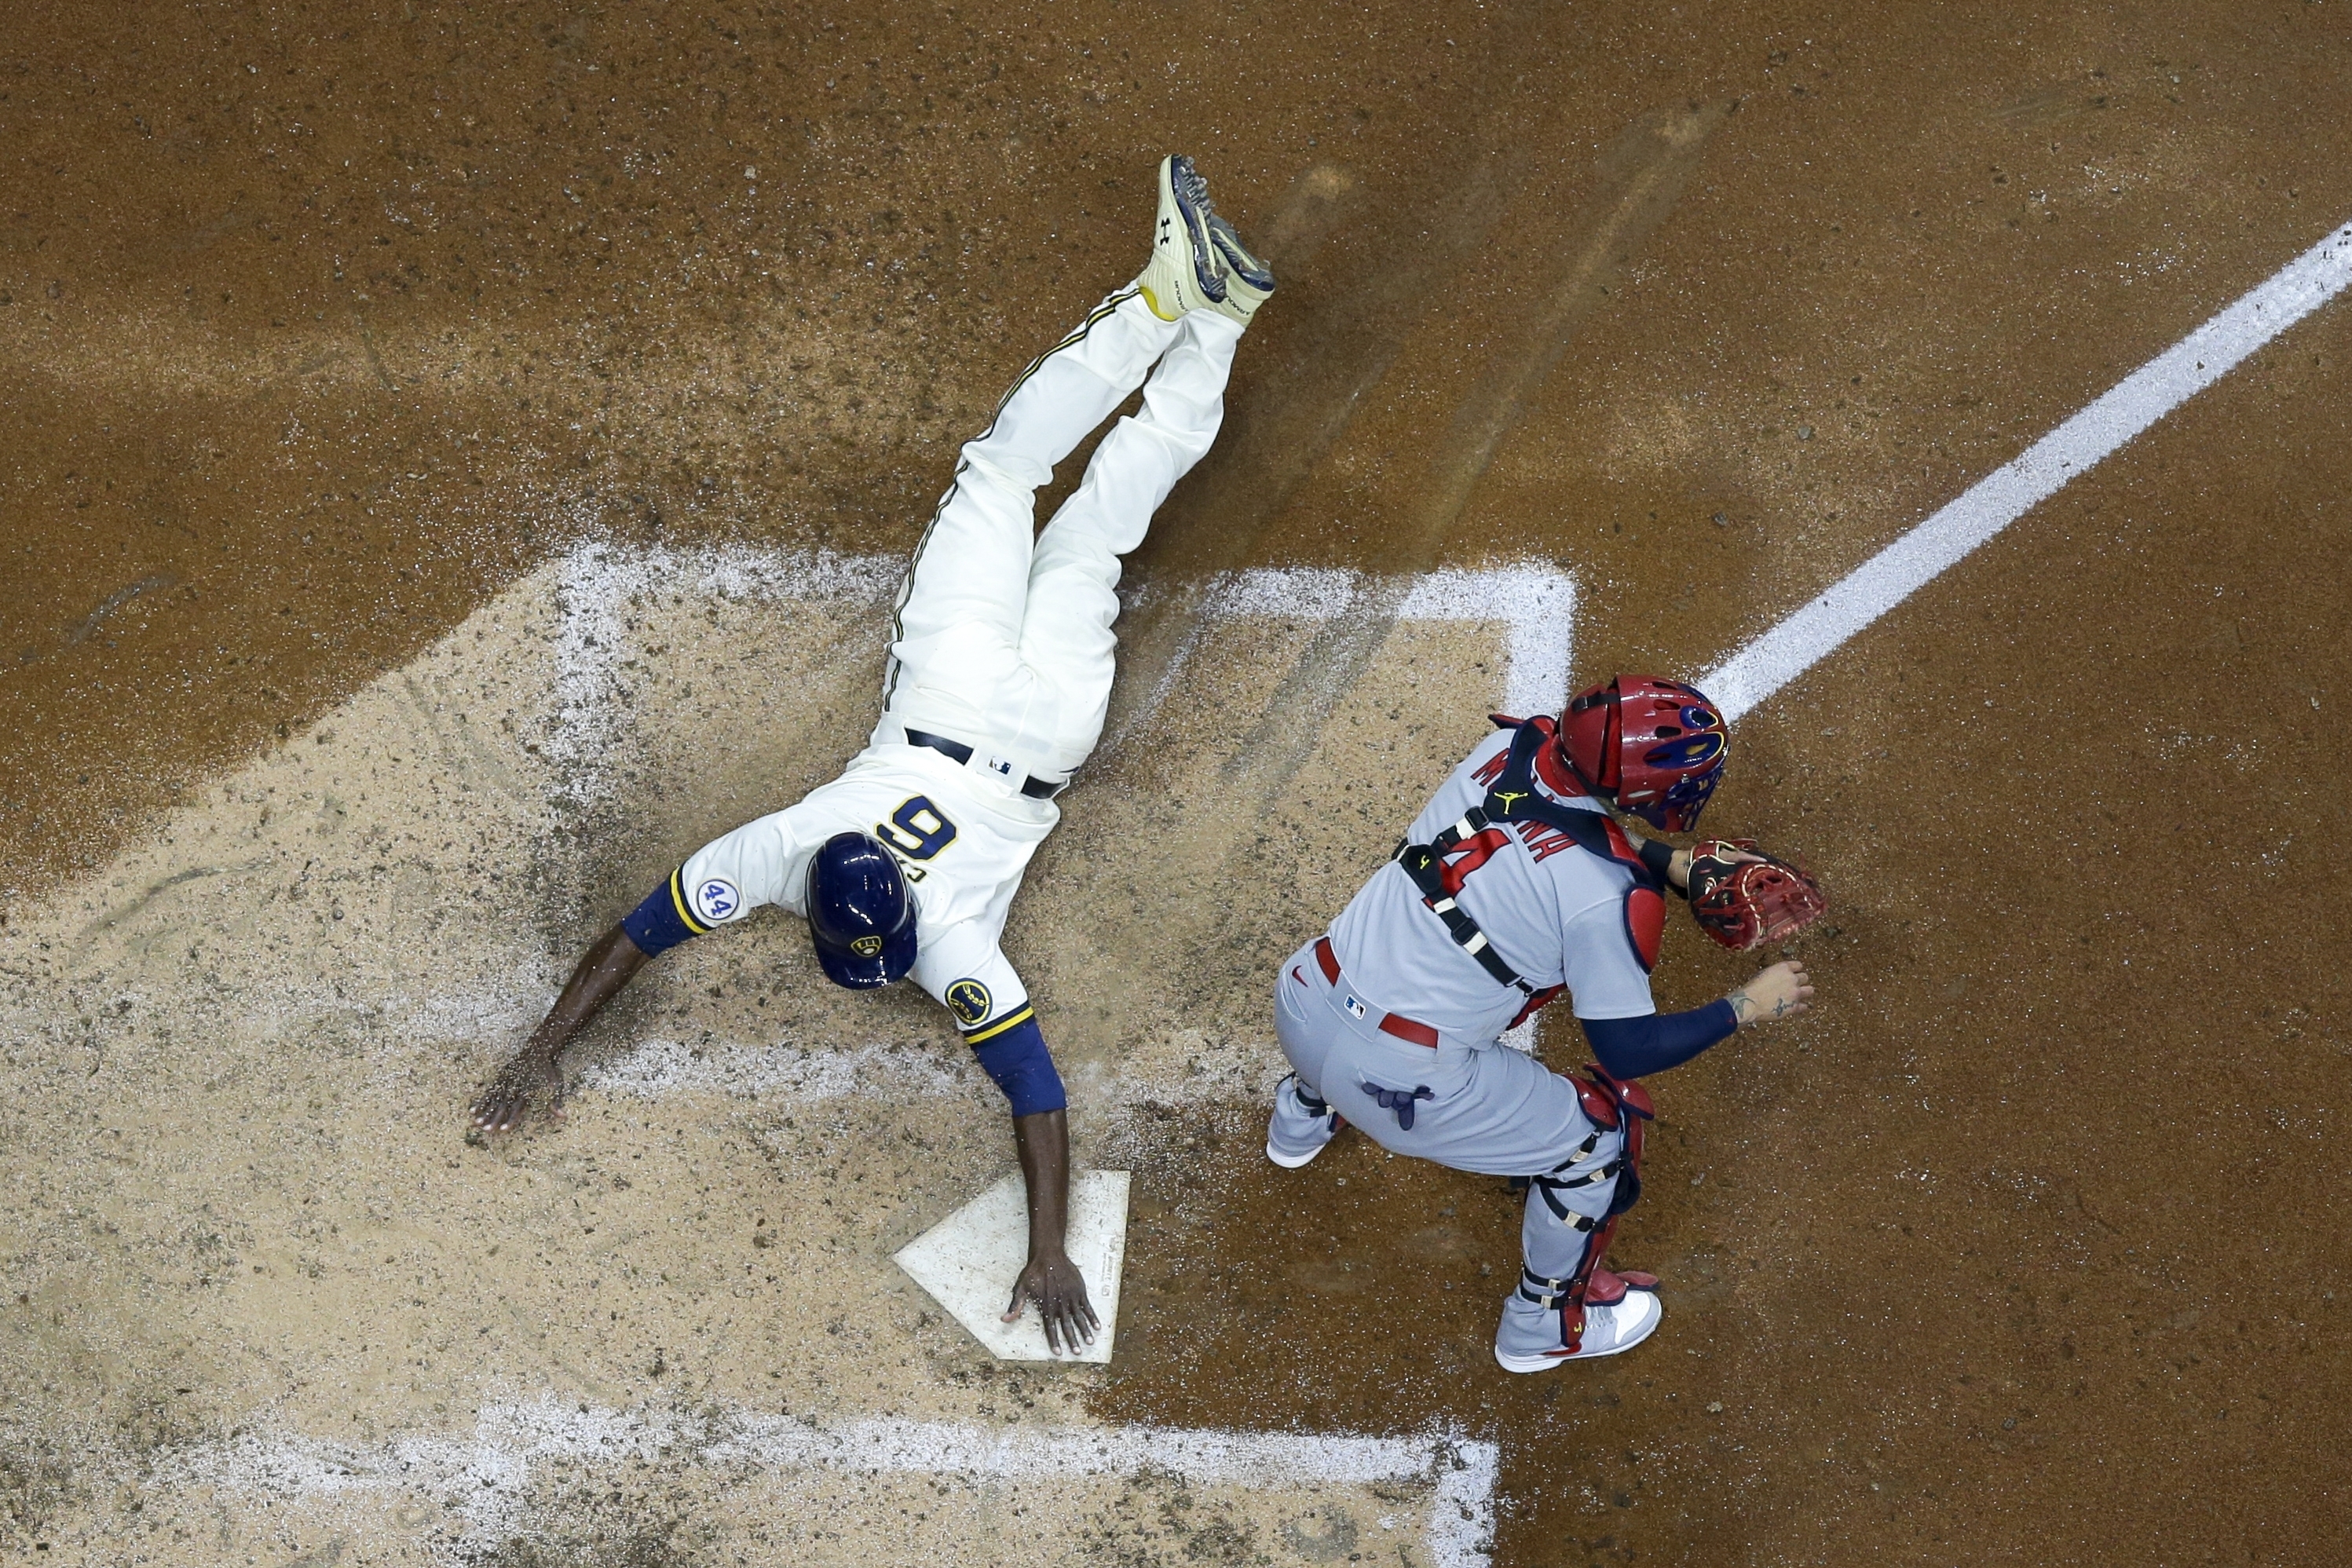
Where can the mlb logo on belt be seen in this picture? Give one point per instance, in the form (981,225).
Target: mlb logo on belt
(999,766)
(1355,1008)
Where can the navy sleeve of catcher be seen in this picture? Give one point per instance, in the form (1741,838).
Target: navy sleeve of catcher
(1659,860)
(1017,1058)
(1635,1048)
(660,923)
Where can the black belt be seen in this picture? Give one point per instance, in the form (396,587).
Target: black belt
(1035,789)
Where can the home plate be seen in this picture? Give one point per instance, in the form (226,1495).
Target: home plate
(968,1260)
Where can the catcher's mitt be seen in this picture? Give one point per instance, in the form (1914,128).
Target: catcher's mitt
(1742,904)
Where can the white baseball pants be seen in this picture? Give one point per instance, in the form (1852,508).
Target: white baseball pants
(1002,638)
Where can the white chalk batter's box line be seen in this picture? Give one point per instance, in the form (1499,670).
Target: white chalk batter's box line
(1535,602)
(484,1476)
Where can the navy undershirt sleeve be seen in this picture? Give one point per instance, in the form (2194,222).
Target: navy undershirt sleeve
(660,923)
(1635,1048)
(1659,860)
(1023,1068)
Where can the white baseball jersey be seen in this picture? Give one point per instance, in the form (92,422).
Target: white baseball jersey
(1001,640)
(962,840)
(1555,913)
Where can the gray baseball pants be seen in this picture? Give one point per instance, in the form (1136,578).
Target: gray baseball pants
(1487,1109)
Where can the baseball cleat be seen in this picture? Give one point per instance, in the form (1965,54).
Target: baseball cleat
(1249,281)
(1300,1125)
(1607,1330)
(1185,272)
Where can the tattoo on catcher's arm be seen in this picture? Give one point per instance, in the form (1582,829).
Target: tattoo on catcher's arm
(1743,1006)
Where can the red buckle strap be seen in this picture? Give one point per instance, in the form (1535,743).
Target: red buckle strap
(1395,1024)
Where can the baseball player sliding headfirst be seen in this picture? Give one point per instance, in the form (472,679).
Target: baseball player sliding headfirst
(999,675)
(1516,883)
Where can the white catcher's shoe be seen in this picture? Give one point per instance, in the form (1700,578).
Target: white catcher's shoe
(1198,262)
(1530,1338)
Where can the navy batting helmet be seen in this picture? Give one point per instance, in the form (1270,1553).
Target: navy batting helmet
(861,918)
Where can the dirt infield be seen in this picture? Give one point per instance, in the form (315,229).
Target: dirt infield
(333,350)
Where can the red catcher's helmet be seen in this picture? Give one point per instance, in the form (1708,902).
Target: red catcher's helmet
(1655,747)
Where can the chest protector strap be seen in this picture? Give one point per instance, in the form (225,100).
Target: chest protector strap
(1512,798)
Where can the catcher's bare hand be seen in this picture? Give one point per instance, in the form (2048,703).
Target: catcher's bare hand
(506,1104)
(1054,1282)
(1782,991)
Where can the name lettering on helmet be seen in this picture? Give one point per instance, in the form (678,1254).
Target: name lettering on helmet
(907,868)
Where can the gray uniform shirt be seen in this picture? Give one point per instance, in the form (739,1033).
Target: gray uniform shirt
(1555,912)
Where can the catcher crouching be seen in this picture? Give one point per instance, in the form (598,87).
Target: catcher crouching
(1518,881)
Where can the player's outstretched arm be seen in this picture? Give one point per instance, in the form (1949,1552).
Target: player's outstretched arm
(535,1070)
(1050,1278)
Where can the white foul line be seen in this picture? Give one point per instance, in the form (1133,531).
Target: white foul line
(2139,401)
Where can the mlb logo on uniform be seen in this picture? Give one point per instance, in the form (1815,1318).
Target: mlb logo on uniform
(1355,1008)
(1001,768)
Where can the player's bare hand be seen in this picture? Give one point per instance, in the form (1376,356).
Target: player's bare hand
(506,1105)
(1782,991)
(1054,1282)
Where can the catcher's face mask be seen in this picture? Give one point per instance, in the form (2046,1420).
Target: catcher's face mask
(1655,746)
